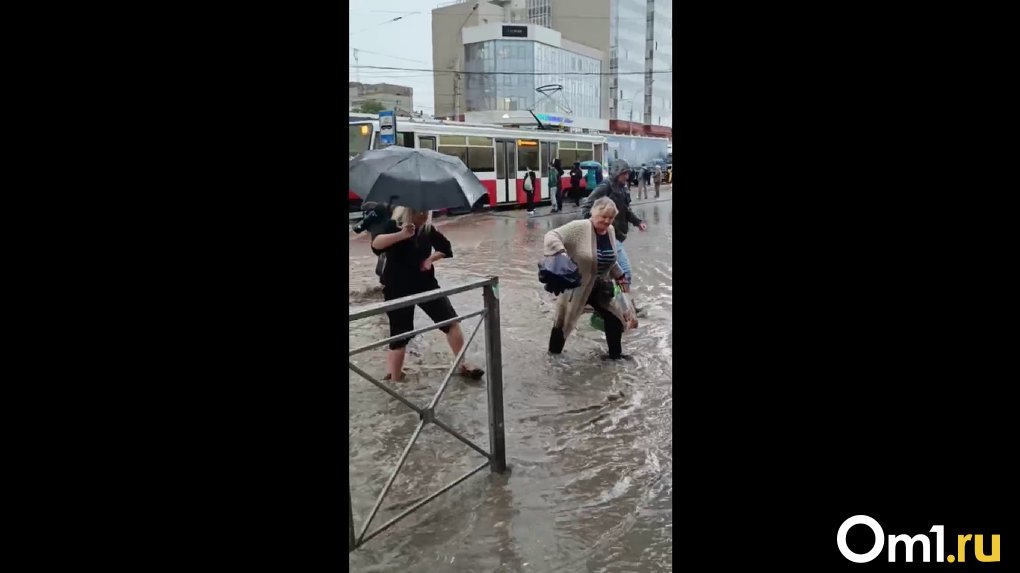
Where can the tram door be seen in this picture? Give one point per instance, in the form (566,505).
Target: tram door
(549,152)
(506,171)
(601,155)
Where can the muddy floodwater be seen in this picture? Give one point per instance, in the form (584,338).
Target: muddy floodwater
(588,442)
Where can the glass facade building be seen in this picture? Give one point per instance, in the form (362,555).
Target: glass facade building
(504,74)
(627,27)
(539,12)
(659,101)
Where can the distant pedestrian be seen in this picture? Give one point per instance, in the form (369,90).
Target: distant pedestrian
(529,190)
(657,179)
(555,191)
(591,180)
(642,186)
(575,183)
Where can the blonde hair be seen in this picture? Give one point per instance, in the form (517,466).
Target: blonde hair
(402,215)
(603,203)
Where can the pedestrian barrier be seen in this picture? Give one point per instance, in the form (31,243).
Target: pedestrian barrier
(496,457)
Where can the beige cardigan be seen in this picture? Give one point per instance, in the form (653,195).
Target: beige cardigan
(577,238)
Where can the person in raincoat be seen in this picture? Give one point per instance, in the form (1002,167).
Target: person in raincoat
(591,179)
(615,188)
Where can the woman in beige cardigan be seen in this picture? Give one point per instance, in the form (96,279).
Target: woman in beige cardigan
(591,243)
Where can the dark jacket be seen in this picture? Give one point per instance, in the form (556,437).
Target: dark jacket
(402,272)
(619,194)
(576,175)
(558,274)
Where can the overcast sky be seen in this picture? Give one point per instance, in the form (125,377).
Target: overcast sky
(406,43)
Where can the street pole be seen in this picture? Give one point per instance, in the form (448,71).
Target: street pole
(456,65)
(456,87)
(632,108)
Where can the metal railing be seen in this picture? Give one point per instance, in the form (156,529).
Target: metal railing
(496,457)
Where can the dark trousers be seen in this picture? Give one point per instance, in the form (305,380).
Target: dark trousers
(531,200)
(402,319)
(614,330)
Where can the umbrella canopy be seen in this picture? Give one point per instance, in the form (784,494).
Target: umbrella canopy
(591,165)
(418,178)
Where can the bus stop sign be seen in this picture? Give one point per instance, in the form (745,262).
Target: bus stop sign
(387,128)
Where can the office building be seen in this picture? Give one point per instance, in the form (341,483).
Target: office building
(637,36)
(634,38)
(391,96)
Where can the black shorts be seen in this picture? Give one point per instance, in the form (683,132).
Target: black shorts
(402,319)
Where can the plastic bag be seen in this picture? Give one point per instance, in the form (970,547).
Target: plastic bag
(622,305)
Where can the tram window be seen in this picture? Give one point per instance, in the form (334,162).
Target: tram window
(548,153)
(427,143)
(458,152)
(567,158)
(527,156)
(482,141)
(406,138)
(359,138)
(598,153)
(480,159)
(452,140)
(583,145)
(583,156)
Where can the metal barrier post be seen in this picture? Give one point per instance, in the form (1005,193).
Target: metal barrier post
(494,368)
(494,389)
(350,521)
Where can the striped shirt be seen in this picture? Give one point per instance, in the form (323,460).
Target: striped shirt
(606,254)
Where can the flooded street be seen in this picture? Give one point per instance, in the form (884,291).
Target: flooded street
(588,442)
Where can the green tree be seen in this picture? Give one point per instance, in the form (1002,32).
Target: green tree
(371,106)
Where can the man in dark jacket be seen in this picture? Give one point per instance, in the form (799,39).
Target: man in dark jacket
(575,182)
(616,189)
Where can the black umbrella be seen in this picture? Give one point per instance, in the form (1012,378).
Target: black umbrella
(418,178)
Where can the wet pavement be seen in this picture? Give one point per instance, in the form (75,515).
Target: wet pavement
(589,443)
